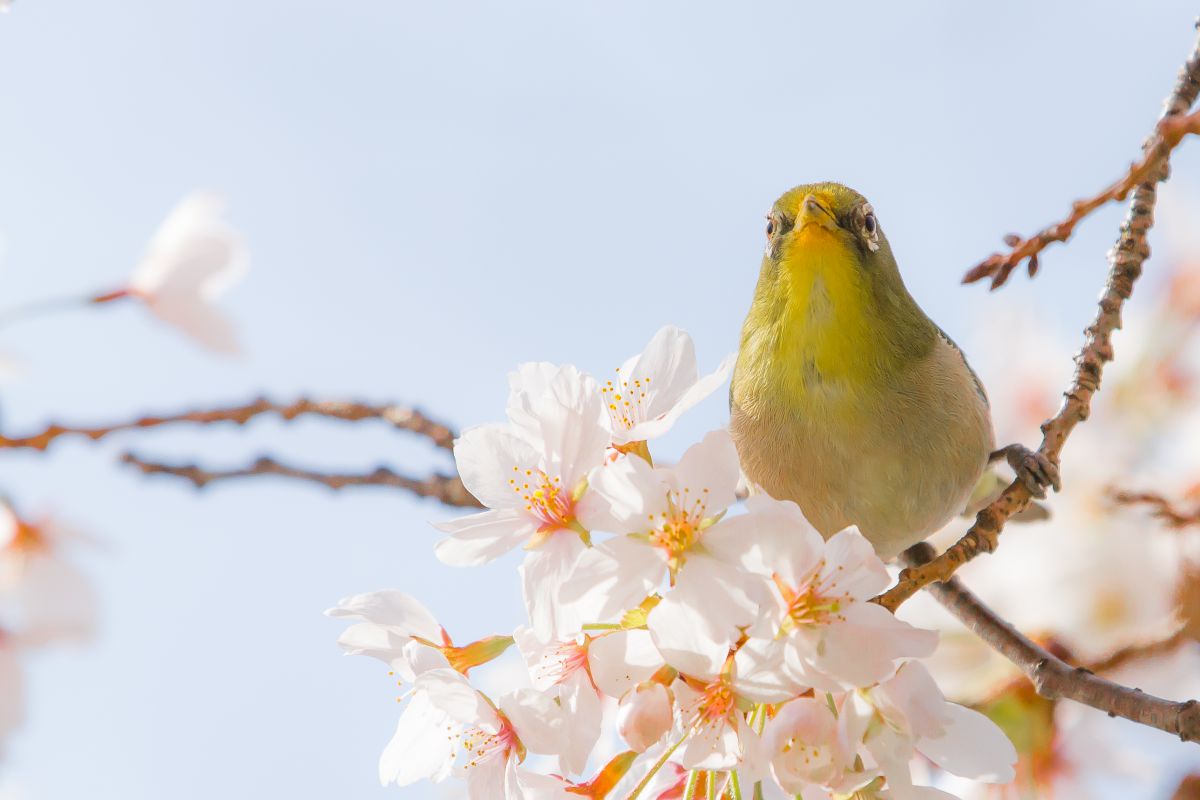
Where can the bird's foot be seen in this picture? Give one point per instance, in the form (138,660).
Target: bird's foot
(1033,469)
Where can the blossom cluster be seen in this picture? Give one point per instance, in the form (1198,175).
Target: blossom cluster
(728,646)
(44,600)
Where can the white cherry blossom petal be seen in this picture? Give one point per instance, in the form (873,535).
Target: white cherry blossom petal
(612,578)
(544,573)
(970,746)
(479,538)
(489,458)
(622,659)
(416,751)
(707,473)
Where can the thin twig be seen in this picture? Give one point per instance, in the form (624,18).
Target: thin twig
(447,489)
(1051,676)
(1167,136)
(1125,265)
(1160,508)
(402,417)
(1137,652)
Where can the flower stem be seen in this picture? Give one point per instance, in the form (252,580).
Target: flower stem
(711,785)
(645,781)
(735,786)
(53,305)
(689,789)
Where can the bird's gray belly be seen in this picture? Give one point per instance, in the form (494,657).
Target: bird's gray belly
(899,466)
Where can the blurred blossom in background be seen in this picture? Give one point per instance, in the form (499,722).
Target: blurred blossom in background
(432,193)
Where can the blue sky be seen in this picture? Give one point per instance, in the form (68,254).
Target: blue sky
(432,192)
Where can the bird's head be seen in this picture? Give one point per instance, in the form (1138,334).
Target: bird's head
(830,293)
(822,222)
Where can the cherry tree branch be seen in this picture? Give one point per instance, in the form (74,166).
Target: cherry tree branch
(447,489)
(1052,677)
(1136,652)
(1125,266)
(399,416)
(1160,508)
(1169,133)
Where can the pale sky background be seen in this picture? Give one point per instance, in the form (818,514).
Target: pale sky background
(432,192)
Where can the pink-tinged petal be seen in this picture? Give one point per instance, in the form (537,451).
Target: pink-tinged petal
(645,715)
(53,599)
(713,746)
(537,719)
(661,421)
(669,360)
(612,578)
(759,673)
(583,714)
(633,491)
(544,573)
(390,607)
(419,749)
(528,386)
(772,537)
(912,701)
(479,538)
(861,573)
(487,778)
(699,619)
(450,693)
(201,322)
(801,739)
(574,435)
(521,784)
(369,639)
(862,648)
(799,653)
(708,471)
(12,688)
(192,252)
(892,753)
(686,646)
(490,458)
(621,659)
(970,746)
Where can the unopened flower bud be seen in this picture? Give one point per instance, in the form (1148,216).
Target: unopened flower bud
(644,714)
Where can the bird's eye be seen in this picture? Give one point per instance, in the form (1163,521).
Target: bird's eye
(772,225)
(869,224)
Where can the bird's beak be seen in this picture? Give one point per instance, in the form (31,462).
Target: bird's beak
(813,211)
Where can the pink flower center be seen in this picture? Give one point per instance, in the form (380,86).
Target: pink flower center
(545,499)
(677,529)
(480,746)
(817,600)
(563,661)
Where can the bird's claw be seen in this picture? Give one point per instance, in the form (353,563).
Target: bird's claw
(1035,471)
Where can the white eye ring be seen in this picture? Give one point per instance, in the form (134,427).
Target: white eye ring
(870,227)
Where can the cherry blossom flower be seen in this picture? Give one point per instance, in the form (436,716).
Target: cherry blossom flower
(650,392)
(46,597)
(192,259)
(392,620)
(12,686)
(645,714)
(653,389)
(908,714)
(560,669)
(831,636)
(669,518)
(447,723)
(802,742)
(535,490)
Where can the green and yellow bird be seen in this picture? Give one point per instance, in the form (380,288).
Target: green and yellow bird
(847,398)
